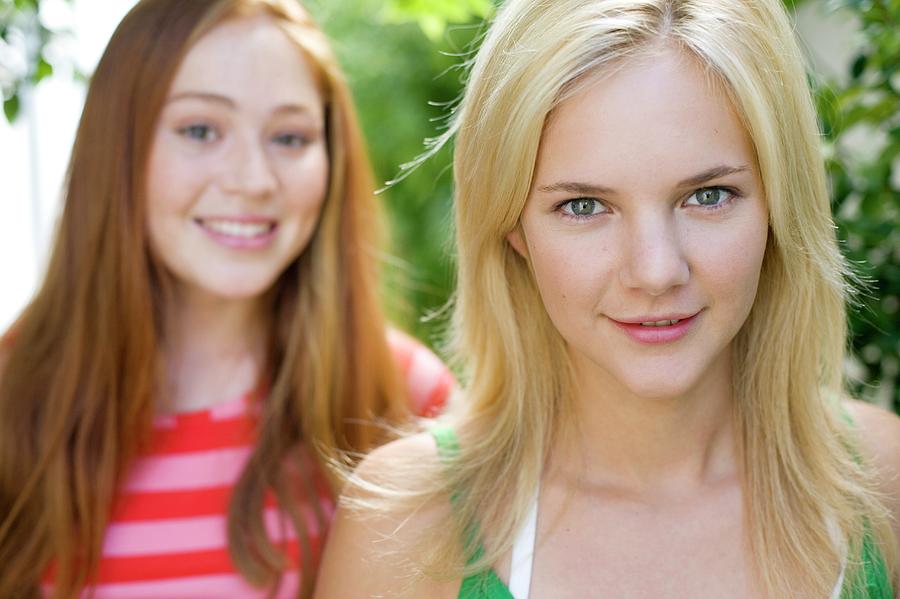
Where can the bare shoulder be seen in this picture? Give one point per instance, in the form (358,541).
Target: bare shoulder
(370,547)
(879,434)
(381,463)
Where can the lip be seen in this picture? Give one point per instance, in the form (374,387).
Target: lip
(657,335)
(238,242)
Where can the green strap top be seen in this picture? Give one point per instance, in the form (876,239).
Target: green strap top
(484,585)
(487,585)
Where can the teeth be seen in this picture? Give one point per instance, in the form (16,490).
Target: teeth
(660,323)
(237,229)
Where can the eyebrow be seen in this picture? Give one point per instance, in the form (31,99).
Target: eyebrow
(226,101)
(219,99)
(578,187)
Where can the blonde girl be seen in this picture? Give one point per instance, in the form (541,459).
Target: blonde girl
(651,320)
(208,333)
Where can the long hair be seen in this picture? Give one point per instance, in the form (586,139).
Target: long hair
(809,499)
(82,369)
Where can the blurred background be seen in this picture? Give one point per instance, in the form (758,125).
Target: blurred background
(403,59)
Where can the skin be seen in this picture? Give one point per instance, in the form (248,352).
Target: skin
(239,143)
(646,500)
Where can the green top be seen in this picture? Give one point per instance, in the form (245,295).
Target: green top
(487,585)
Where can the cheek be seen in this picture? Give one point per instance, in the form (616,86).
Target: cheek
(161,200)
(173,179)
(307,183)
(571,274)
(730,262)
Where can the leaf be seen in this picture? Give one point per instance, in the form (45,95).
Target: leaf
(859,65)
(43,69)
(11,108)
(433,16)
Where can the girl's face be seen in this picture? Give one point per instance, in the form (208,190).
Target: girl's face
(238,169)
(646,227)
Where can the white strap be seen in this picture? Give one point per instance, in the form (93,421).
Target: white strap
(523,553)
(835,533)
(836,594)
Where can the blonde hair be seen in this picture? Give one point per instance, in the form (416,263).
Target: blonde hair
(82,376)
(802,471)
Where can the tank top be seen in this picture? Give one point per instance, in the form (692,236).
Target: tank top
(487,585)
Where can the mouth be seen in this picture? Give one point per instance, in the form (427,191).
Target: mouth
(656,329)
(656,320)
(661,323)
(237,228)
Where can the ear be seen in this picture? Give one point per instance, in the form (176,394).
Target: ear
(516,239)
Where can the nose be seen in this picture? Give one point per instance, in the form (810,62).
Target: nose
(248,170)
(654,258)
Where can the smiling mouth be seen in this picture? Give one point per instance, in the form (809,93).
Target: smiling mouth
(660,323)
(657,332)
(237,229)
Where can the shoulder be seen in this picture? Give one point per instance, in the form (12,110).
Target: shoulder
(378,545)
(427,378)
(879,435)
(383,464)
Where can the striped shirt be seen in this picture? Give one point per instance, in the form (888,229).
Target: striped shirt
(167,533)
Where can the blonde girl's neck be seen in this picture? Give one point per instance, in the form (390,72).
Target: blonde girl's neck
(622,439)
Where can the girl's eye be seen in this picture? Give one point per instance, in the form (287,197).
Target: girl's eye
(291,140)
(710,197)
(582,207)
(203,133)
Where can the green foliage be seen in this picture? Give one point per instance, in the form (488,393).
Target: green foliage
(22,34)
(433,16)
(861,126)
(11,108)
(403,80)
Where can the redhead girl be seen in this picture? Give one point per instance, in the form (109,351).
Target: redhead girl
(651,316)
(208,334)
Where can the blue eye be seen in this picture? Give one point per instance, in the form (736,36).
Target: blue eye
(582,207)
(204,133)
(710,197)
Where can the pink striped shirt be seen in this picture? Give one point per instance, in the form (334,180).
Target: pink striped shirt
(167,533)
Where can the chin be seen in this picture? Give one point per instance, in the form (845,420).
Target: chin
(244,290)
(660,387)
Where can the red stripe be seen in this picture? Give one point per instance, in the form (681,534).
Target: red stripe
(197,563)
(211,434)
(134,507)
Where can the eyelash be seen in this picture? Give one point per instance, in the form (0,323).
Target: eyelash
(292,140)
(732,194)
(204,133)
(562,206)
(190,132)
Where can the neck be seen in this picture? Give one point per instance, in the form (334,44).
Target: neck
(214,349)
(659,444)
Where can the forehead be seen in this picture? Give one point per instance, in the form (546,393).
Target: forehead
(250,59)
(650,120)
